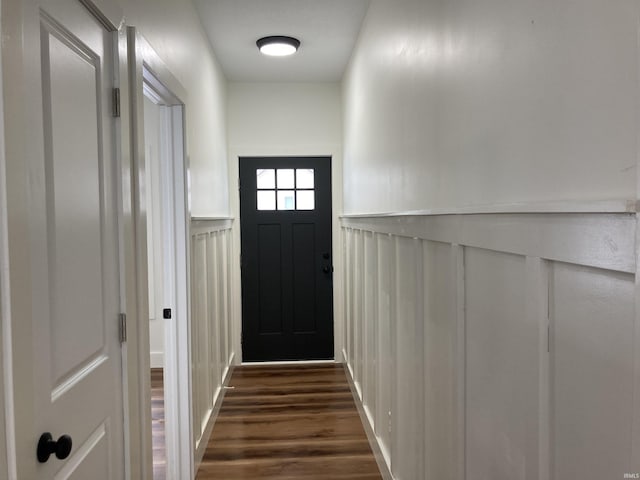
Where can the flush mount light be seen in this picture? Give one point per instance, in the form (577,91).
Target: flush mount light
(278,45)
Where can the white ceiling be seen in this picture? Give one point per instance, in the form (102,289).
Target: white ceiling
(327,30)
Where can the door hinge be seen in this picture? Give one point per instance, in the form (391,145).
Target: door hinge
(548,338)
(549,293)
(123,327)
(116,102)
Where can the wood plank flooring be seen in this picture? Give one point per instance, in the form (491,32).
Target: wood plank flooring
(286,423)
(157,424)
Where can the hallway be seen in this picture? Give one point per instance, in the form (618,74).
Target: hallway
(482,280)
(286,422)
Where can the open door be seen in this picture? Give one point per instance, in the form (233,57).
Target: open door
(64,245)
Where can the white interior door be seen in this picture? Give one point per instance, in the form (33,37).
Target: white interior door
(74,248)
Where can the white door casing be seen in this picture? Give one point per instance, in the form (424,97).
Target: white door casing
(153,78)
(72,297)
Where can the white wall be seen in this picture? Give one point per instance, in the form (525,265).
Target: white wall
(174,31)
(495,346)
(287,119)
(284,117)
(466,102)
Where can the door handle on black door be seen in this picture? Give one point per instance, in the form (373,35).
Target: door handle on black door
(47,445)
(327,269)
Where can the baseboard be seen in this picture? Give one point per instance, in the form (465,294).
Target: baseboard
(204,441)
(371,436)
(156,359)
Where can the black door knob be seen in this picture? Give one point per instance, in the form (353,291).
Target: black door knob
(47,445)
(326,269)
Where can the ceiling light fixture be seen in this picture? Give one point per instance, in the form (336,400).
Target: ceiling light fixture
(278,45)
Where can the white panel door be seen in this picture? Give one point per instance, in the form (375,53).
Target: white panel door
(74,249)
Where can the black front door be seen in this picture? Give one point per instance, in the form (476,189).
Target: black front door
(285,218)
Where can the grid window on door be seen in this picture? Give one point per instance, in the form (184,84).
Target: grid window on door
(285,189)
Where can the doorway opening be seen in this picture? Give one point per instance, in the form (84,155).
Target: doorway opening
(166,222)
(286,252)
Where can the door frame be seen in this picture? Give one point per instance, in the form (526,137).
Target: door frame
(148,71)
(329,150)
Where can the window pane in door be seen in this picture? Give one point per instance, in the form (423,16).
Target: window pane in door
(304,178)
(266,178)
(286,200)
(266,200)
(305,200)
(285,178)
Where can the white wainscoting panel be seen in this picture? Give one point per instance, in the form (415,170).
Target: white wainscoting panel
(349,300)
(592,319)
(201,388)
(495,346)
(385,299)
(358,320)
(439,361)
(407,402)
(212,313)
(501,369)
(210,320)
(369,333)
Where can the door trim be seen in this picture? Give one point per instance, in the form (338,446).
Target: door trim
(146,68)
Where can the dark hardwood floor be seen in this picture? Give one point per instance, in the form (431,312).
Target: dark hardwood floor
(286,423)
(157,424)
